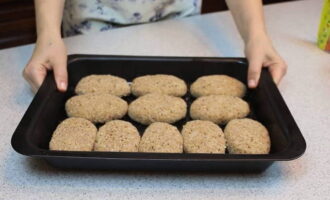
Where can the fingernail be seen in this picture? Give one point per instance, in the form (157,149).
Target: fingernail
(252,83)
(62,85)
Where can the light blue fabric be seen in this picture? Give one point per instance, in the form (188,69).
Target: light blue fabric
(87,16)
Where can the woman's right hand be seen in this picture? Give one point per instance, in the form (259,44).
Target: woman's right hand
(49,54)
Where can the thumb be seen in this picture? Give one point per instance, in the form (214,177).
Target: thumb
(255,66)
(35,74)
(278,70)
(60,73)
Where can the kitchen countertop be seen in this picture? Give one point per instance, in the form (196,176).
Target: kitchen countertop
(306,89)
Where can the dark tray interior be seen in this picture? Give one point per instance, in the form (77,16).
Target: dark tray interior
(47,111)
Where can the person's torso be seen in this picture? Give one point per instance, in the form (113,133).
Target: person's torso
(84,16)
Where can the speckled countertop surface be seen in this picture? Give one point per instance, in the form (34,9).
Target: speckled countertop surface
(306,89)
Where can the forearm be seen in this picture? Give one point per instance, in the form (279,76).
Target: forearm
(248,16)
(49,17)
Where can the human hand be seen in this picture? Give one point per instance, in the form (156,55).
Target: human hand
(49,54)
(261,53)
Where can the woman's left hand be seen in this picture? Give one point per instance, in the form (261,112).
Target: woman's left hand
(260,53)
